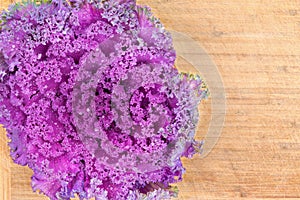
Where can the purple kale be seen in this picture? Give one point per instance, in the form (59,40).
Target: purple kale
(91,99)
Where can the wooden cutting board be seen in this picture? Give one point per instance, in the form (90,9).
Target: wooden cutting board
(256,46)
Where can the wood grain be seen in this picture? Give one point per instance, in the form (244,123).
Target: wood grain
(256,47)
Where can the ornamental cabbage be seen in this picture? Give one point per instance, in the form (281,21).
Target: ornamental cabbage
(91,99)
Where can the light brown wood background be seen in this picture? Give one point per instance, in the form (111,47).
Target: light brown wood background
(256,47)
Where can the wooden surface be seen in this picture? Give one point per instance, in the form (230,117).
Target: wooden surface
(256,47)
